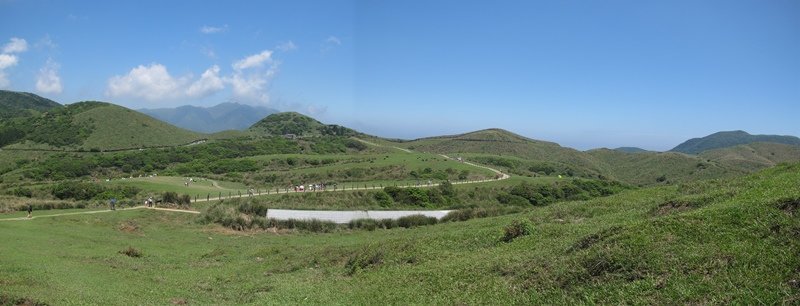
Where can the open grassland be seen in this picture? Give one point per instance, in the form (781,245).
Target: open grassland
(728,242)
(160,184)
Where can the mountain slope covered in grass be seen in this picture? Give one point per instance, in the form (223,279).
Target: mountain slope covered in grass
(729,139)
(292,123)
(23,104)
(99,126)
(754,156)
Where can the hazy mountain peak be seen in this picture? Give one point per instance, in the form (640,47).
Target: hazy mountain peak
(223,116)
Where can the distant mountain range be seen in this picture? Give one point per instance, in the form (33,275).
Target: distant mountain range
(225,116)
(729,139)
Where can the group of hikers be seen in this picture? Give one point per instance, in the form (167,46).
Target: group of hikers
(311,187)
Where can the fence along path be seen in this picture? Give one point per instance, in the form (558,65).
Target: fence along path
(356,186)
(369,214)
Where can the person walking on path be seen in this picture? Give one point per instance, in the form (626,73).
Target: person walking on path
(112,203)
(30,210)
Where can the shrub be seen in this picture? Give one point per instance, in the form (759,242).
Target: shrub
(170,197)
(415,220)
(362,260)
(22,192)
(383,198)
(388,223)
(368,224)
(131,252)
(517,228)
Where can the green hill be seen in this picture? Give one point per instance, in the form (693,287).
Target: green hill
(504,143)
(98,126)
(648,168)
(730,139)
(523,156)
(754,156)
(23,104)
(292,123)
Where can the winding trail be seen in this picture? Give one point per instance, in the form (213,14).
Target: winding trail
(500,176)
(99,212)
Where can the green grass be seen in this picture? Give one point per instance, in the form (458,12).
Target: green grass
(121,128)
(176,184)
(730,242)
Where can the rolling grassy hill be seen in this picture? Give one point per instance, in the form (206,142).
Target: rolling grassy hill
(524,156)
(281,124)
(754,156)
(504,143)
(729,139)
(23,104)
(648,168)
(99,126)
(116,127)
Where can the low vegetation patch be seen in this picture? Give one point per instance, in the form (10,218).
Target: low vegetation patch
(364,259)
(789,205)
(516,229)
(131,252)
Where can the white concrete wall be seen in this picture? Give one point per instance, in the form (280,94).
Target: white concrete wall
(343,217)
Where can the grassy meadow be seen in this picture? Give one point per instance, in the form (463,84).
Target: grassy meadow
(729,241)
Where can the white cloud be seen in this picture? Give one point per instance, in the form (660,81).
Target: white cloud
(208,84)
(287,46)
(333,40)
(213,30)
(256,60)
(48,80)
(16,45)
(153,83)
(6,61)
(250,80)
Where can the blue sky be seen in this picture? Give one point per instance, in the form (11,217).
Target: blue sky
(584,74)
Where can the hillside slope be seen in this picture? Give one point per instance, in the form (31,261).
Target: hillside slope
(754,156)
(501,142)
(22,104)
(225,116)
(292,123)
(713,242)
(100,126)
(648,168)
(730,139)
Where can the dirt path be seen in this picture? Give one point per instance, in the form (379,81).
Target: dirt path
(99,212)
(502,176)
(382,146)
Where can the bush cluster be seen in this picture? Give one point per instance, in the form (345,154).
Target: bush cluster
(84,191)
(443,195)
(517,228)
(577,189)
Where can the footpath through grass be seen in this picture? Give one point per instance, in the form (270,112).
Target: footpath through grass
(715,242)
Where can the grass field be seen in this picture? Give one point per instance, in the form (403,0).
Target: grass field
(176,184)
(715,242)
